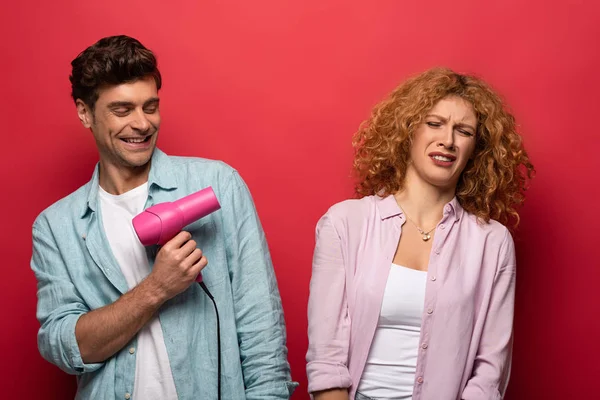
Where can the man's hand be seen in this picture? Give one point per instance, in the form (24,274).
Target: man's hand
(103,332)
(177,265)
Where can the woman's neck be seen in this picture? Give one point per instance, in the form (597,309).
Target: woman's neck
(423,203)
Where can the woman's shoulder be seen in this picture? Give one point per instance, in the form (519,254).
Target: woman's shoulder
(352,214)
(492,232)
(351,208)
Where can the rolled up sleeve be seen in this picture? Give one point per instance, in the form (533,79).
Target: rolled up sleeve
(59,305)
(328,319)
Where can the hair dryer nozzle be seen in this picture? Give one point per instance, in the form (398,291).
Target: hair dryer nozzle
(148,227)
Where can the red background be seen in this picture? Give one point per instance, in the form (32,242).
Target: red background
(276,89)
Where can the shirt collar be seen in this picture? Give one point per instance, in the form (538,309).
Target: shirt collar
(388,207)
(161,175)
(453,208)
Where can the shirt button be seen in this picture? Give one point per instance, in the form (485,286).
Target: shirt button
(430,311)
(437,251)
(442,226)
(131,350)
(420,379)
(424,346)
(433,278)
(127,396)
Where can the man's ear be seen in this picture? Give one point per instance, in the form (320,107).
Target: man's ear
(84,113)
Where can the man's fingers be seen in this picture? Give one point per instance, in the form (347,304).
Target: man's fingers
(179,240)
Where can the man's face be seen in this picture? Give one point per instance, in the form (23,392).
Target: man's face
(125,123)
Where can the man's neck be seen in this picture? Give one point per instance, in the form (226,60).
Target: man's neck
(422,202)
(118,180)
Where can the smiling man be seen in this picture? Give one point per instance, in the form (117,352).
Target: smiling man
(129,320)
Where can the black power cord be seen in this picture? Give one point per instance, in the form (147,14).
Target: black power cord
(210,296)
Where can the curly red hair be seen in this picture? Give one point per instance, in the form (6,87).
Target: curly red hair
(493,181)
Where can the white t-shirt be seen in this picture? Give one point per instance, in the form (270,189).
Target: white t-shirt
(153,377)
(390,369)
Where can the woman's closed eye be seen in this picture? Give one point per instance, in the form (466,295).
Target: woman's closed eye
(465,132)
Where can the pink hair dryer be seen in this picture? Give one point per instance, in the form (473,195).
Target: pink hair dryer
(161,222)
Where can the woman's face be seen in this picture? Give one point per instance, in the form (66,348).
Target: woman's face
(444,142)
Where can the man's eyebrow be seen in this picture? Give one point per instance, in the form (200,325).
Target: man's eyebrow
(120,103)
(153,100)
(116,104)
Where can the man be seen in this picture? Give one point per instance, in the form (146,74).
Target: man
(129,320)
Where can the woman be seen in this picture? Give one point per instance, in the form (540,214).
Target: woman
(412,288)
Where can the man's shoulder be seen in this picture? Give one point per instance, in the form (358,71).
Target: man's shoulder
(198,162)
(196,167)
(190,174)
(68,207)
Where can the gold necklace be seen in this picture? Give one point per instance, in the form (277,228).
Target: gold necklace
(424,235)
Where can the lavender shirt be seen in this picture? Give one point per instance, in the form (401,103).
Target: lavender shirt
(466,333)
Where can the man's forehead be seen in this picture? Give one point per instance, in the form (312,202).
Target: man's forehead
(138,91)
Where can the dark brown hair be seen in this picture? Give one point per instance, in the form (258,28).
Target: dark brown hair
(112,60)
(492,183)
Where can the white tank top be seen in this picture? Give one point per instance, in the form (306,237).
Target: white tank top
(390,369)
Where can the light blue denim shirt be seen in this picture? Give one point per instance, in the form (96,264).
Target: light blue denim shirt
(77,272)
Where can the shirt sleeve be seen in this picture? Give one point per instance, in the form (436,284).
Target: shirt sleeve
(257,303)
(491,368)
(328,319)
(59,305)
